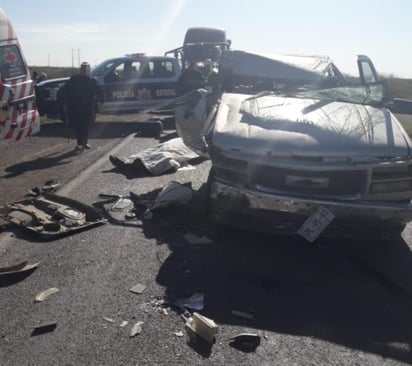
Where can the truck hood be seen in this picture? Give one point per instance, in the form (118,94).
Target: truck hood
(293,126)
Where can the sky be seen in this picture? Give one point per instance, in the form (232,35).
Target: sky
(65,33)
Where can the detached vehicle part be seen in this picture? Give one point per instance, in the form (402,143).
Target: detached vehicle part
(50,215)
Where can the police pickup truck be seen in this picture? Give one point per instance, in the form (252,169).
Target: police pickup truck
(130,83)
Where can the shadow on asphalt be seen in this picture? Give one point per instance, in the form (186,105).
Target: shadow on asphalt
(41,163)
(117,126)
(13,278)
(346,292)
(339,291)
(102,130)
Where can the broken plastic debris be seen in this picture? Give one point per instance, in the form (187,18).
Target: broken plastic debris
(179,334)
(137,329)
(138,289)
(44,328)
(243,314)
(246,342)
(204,327)
(122,204)
(194,239)
(51,185)
(130,215)
(17,268)
(110,320)
(123,323)
(43,295)
(194,302)
(171,193)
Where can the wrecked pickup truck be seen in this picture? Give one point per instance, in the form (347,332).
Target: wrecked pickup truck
(288,137)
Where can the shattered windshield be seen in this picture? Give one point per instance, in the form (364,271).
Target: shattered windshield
(359,94)
(372,94)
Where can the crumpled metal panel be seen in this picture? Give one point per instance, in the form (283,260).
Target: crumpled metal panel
(297,126)
(309,69)
(50,215)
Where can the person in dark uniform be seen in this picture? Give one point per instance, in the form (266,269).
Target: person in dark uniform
(191,79)
(81,95)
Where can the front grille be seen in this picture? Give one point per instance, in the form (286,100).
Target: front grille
(330,183)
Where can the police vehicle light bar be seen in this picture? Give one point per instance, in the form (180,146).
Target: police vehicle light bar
(138,54)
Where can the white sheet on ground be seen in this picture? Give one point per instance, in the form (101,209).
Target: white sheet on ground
(165,156)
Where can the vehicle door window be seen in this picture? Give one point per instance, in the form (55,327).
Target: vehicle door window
(116,75)
(131,70)
(367,71)
(162,69)
(368,75)
(11,62)
(147,70)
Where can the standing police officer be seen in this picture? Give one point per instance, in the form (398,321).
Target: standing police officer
(81,94)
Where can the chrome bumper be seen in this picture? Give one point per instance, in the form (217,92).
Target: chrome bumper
(243,201)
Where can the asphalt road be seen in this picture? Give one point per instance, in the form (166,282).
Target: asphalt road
(339,302)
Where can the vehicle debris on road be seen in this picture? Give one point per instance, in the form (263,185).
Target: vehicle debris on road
(145,205)
(43,295)
(246,342)
(243,314)
(205,328)
(110,320)
(138,289)
(179,334)
(136,329)
(50,215)
(51,185)
(122,204)
(173,193)
(18,268)
(193,302)
(45,327)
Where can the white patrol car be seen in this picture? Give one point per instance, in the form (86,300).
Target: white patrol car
(130,83)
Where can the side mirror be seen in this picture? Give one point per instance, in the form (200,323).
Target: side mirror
(400,106)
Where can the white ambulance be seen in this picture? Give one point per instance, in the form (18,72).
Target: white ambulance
(19,117)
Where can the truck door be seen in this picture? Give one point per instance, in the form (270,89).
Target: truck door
(367,71)
(119,86)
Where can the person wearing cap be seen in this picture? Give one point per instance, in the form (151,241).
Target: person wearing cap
(42,77)
(81,94)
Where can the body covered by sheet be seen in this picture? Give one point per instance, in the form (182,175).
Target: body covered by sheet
(164,157)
